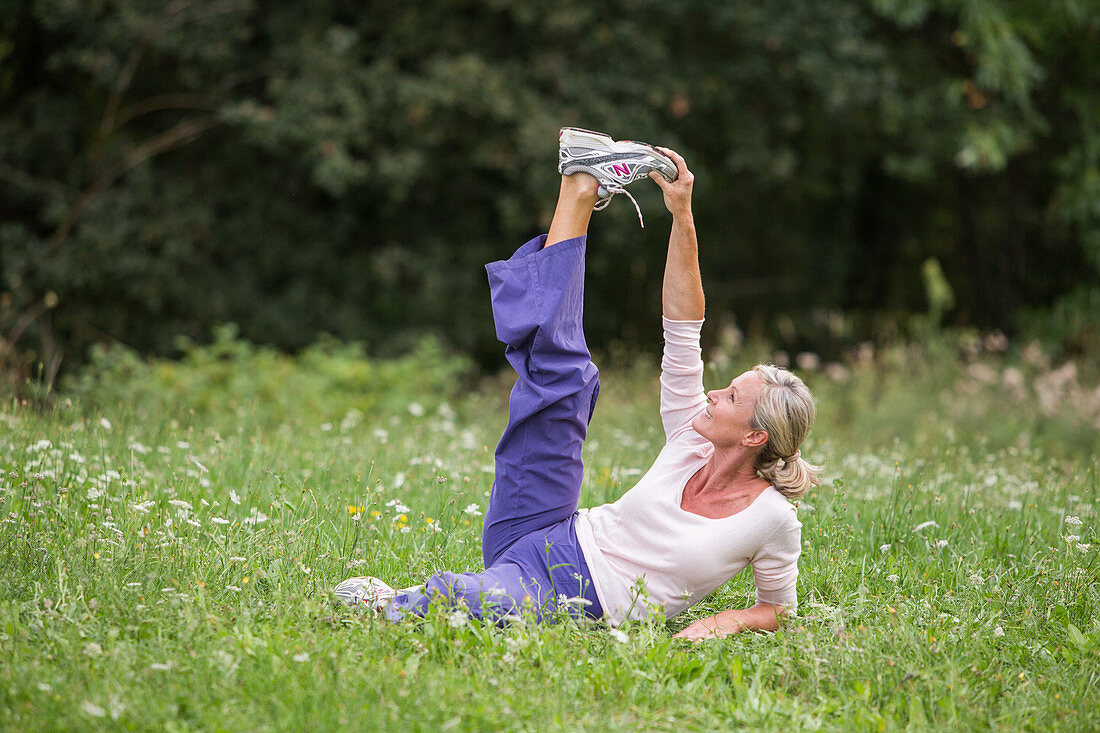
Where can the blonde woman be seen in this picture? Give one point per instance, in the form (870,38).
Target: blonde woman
(715,500)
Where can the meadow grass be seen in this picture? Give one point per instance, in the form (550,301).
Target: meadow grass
(169,536)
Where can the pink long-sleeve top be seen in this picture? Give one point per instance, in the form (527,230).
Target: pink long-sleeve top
(646,554)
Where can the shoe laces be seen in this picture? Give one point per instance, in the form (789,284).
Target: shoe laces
(610,190)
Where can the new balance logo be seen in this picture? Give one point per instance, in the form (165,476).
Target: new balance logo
(620,169)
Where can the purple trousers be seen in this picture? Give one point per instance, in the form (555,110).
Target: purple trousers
(533,561)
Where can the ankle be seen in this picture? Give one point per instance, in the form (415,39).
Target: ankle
(581,186)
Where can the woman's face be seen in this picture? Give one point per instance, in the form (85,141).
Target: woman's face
(725,421)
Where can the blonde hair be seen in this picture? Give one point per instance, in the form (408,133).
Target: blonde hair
(785,410)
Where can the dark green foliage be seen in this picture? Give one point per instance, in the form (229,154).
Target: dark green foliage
(313,167)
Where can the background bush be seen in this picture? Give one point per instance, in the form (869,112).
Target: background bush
(323,167)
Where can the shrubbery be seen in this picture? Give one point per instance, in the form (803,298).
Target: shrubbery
(307,168)
(327,381)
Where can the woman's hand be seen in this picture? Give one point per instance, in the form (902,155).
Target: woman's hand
(761,617)
(678,193)
(711,627)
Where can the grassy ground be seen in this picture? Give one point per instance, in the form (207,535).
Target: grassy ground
(167,543)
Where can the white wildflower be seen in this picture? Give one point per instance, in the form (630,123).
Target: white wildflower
(89,707)
(405,530)
(457,618)
(925,525)
(105,423)
(143,506)
(399,479)
(225,660)
(474,510)
(183,445)
(416,409)
(137,447)
(219,520)
(941,543)
(257,517)
(998,631)
(1015,504)
(892,578)
(233,587)
(180,503)
(1084,547)
(1073,521)
(619,636)
(202,468)
(233,497)
(39,446)
(45,686)
(326,427)
(237,558)
(92,649)
(161,666)
(976,579)
(884,548)
(381,435)
(1071,538)
(95,493)
(303,657)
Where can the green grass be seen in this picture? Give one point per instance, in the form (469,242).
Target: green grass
(138,593)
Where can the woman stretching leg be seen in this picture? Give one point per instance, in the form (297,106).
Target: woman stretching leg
(528,542)
(714,500)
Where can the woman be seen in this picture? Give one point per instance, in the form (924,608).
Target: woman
(715,499)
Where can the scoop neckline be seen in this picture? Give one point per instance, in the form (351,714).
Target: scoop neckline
(680,499)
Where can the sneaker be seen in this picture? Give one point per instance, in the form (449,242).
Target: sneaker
(369,593)
(614,163)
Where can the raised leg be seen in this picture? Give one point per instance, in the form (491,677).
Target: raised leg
(538,297)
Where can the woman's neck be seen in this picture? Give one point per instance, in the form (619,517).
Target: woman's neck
(731,472)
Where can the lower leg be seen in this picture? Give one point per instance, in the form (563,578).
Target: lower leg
(577,196)
(490,595)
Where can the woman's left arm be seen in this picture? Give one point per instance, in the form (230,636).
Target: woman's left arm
(761,617)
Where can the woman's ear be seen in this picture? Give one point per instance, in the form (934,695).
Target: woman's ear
(755,439)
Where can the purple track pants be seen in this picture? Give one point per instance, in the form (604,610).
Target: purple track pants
(532,556)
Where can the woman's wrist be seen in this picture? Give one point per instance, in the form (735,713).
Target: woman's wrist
(683,218)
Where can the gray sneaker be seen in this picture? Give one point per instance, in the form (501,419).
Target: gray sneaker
(614,163)
(369,593)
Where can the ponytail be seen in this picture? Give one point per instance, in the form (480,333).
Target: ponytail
(786,411)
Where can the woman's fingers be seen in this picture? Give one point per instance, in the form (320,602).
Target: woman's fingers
(698,631)
(659,180)
(681,164)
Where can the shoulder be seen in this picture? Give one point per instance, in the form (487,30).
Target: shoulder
(782,517)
